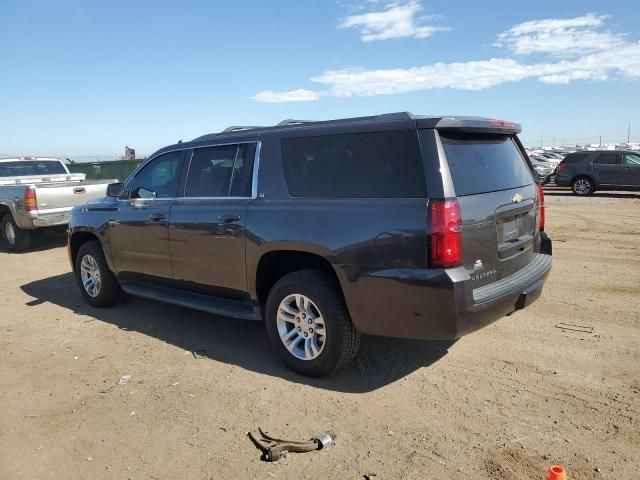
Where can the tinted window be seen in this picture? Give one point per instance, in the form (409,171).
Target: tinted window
(575,157)
(485,163)
(221,171)
(632,159)
(159,178)
(360,165)
(607,159)
(31,167)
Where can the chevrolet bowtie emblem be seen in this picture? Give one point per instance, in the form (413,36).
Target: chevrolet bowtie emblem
(517,198)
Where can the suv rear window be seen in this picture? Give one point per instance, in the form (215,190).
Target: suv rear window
(575,157)
(485,163)
(359,165)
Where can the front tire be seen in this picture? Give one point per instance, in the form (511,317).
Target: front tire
(97,283)
(583,186)
(308,324)
(16,238)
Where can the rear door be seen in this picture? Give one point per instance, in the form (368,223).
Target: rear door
(498,201)
(632,166)
(609,169)
(207,224)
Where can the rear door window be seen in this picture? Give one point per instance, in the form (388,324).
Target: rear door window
(358,165)
(607,159)
(221,171)
(481,163)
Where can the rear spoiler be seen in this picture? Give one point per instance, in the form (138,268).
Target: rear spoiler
(470,125)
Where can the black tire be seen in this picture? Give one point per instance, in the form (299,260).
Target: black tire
(109,291)
(342,339)
(583,186)
(23,239)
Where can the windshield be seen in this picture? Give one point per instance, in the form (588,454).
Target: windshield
(485,163)
(26,168)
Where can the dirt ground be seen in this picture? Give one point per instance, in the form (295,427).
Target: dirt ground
(503,403)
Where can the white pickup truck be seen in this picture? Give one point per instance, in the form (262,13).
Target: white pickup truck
(38,193)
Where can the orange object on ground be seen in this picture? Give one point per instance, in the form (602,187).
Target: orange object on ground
(556,472)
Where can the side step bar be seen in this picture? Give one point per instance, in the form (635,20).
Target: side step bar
(197,301)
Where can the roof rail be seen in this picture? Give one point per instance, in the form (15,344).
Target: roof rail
(291,121)
(239,128)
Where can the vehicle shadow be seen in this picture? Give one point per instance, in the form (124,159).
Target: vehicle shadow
(566,192)
(43,240)
(381,361)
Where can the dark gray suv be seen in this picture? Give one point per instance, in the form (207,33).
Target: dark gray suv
(586,172)
(396,225)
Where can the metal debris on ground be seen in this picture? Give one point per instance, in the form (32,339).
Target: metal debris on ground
(575,328)
(273,449)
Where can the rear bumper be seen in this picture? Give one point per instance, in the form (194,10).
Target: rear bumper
(562,181)
(442,304)
(40,218)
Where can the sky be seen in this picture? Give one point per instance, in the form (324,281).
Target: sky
(83,79)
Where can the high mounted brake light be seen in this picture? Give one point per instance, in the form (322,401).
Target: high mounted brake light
(30,199)
(446,234)
(501,123)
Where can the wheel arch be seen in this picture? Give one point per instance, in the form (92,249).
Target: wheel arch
(78,238)
(276,263)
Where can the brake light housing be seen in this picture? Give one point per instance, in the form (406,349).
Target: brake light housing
(30,199)
(445,239)
(540,207)
(560,167)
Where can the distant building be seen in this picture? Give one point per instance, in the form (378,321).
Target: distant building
(129,153)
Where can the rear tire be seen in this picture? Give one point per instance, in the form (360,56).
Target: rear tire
(97,283)
(582,186)
(299,303)
(16,238)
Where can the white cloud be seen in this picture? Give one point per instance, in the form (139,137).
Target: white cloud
(594,64)
(397,20)
(560,37)
(300,95)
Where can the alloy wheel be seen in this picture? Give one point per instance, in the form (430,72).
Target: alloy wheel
(301,327)
(90,276)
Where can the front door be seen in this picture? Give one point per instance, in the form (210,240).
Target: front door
(609,169)
(632,166)
(139,230)
(207,222)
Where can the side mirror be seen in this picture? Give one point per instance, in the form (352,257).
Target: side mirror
(115,189)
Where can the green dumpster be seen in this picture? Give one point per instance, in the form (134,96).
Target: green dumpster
(119,169)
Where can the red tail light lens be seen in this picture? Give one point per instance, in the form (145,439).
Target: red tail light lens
(541,207)
(30,199)
(561,167)
(446,234)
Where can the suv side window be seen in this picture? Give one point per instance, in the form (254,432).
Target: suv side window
(357,165)
(158,179)
(221,171)
(607,159)
(632,159)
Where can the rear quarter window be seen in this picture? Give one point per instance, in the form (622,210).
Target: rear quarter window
(359,165)
(575,158)
(485,163)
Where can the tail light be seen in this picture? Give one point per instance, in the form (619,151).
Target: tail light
(540,207)
(561,167)
(446,234)
(30,199)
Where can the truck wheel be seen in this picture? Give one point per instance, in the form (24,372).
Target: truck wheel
(583,186)
(17,238)
(97,283)
(308,324)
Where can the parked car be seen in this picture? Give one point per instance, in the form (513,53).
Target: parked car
(543,169)
(39,193)
(588,171)
(396,225)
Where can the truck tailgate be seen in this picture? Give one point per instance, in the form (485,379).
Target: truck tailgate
(56,196)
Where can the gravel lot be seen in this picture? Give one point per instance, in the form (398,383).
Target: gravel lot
(503,403)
